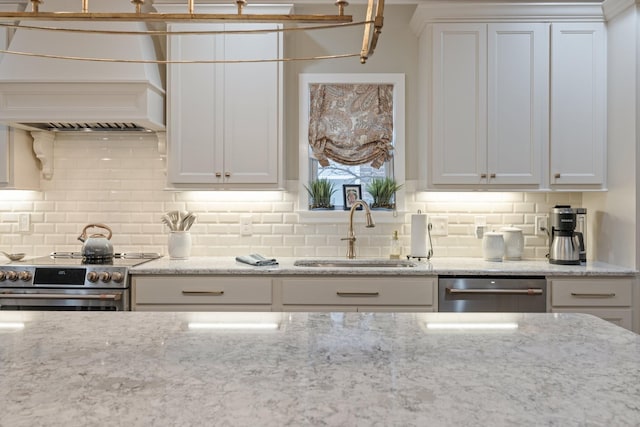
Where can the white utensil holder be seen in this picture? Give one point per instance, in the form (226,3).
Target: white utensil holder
(179,244)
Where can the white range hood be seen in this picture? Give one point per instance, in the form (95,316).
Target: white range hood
(67,95)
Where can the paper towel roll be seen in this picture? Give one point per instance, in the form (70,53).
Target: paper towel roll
(418,235)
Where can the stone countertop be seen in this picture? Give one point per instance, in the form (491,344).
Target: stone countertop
(436,266)
(330,369)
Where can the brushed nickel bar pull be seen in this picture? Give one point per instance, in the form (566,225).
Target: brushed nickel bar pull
(114,297)
(586,295)
(204,293)
(530,291)
(358,294)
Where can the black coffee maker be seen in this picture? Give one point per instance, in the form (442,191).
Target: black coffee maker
(566,245)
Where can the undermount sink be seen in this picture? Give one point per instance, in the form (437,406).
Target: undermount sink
(354,263)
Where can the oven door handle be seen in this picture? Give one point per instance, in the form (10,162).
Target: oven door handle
(530,291)
(114,297)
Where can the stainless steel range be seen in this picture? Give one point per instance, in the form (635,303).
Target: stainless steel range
(63,281)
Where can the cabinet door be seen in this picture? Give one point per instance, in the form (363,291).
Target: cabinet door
(459,96)
(577,103)
(251,106)
(518,63)
(4,156)
(195,115)
(617,316)
(224,118)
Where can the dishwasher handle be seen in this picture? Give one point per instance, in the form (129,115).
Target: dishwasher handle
(498,291)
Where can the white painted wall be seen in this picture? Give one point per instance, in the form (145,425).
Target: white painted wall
(613,214)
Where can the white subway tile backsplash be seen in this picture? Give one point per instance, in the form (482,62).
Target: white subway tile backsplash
(121,183)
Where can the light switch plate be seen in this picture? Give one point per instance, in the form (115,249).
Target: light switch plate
(24,222)
(439,226)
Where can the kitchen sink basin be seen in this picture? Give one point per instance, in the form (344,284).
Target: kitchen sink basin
(354,263)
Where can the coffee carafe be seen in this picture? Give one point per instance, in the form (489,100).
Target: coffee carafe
(566,244)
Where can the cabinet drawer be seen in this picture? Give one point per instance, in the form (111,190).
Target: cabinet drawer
(617,316)
(603,292)
(202,290)
(358,291)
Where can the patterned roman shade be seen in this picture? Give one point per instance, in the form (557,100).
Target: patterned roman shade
(351,124)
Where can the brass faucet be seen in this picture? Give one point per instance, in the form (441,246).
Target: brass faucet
(351,236)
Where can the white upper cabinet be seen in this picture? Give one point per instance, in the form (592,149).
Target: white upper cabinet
(512,95)
(578,114)
(18,164)
(459,93)
(225,118)
(489,97)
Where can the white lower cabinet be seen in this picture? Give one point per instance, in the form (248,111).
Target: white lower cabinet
(201,293)
(399,294)
(609,298)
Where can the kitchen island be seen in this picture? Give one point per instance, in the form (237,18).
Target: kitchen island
(335,369)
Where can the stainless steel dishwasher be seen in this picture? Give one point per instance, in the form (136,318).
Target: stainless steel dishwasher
(527,294)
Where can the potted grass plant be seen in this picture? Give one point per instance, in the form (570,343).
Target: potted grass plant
(383,191)
(320,192)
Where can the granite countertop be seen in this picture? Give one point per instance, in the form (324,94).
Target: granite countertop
(435,266)
(331,369)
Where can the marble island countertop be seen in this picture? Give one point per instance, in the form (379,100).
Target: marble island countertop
(435,266)
(331,369)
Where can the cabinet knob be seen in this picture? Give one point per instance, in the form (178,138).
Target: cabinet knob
(483,175)
(556,175)
(218,174)
(227,174)
(493,175)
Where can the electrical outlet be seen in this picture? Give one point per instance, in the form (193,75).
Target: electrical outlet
(246,227)
(542,225)
(439,226)
(24,222)
(480,226)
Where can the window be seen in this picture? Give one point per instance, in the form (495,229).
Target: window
(381,137)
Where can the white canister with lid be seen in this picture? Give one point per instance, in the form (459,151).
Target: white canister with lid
(493,246)
(513,242)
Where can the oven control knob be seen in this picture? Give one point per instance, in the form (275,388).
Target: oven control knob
(12,275)
(105,277)
(92,276)
(25,276)
(3,276)
(118,277)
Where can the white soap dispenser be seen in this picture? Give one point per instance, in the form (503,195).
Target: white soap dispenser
(395,251)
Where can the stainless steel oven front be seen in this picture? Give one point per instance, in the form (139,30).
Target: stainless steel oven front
(492,294)
(71,288)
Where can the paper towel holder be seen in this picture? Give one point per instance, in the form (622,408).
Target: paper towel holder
(430,251)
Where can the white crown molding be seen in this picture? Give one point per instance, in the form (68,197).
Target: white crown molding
(480,11)
(613,8)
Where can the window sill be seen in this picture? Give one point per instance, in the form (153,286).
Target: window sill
(340,215)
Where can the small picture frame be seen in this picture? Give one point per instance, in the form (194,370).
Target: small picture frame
(351,193)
